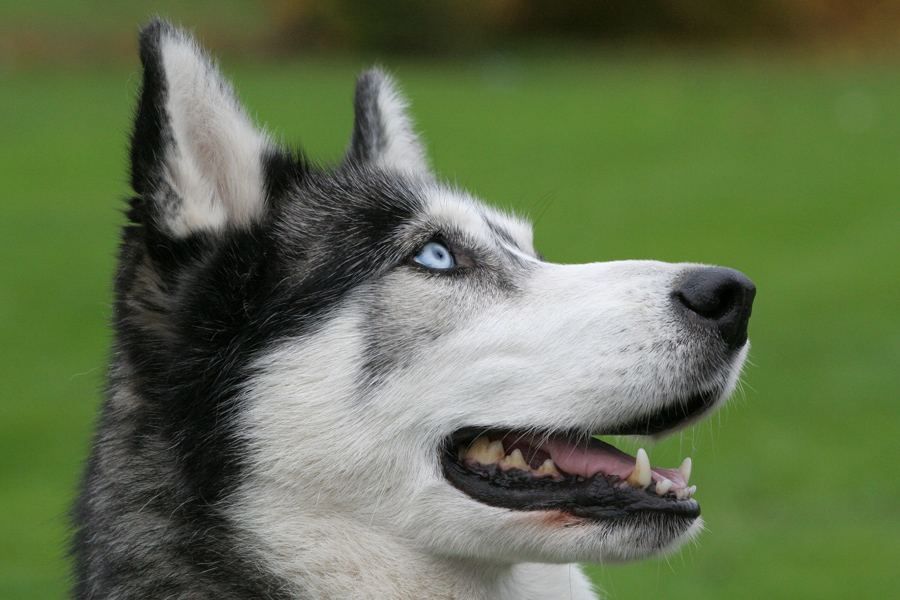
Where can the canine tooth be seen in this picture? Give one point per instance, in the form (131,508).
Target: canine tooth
(691,490)
(515,460)
(494,452)
(662,487)
(641,476)
(685,469)
(548,468)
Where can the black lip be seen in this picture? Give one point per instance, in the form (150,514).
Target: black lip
(599,498)
(672,416)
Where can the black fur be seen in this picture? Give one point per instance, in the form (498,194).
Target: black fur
(152,133)
(191,315)
(151,128)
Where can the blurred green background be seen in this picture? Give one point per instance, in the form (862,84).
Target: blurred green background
(762,135)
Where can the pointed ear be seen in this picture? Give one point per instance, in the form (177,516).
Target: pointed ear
(383,134)
(196,157)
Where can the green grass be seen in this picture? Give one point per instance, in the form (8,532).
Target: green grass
(787,171)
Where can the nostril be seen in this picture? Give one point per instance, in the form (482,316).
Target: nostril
(710,301)
(722,297)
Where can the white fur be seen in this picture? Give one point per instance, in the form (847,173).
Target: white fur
(347,493)
(215,165)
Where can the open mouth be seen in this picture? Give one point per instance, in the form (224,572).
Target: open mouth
(573,473)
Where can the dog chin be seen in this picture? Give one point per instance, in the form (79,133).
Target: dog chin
(616,542)
(556,537)
(637,541)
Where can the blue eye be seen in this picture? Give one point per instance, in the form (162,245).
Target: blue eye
(435,255)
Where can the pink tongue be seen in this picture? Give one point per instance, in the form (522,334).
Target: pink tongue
(589,458)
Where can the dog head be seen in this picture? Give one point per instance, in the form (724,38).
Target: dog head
(367,348)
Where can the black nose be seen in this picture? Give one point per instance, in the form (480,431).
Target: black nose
(721,297)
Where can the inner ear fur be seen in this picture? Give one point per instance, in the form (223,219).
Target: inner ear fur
(196,157)
(383,133)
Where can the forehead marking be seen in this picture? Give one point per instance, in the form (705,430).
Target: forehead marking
(474,218)
(458,211)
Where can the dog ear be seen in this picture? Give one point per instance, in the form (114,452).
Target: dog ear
(383,134)
(196,157)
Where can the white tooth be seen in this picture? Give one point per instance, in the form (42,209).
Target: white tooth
(685,470)
(494,452)
(686,493)
(548,468)
(662,487)
(515,460)
(478,450)
(641,476)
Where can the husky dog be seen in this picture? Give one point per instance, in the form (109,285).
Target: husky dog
(361,382)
